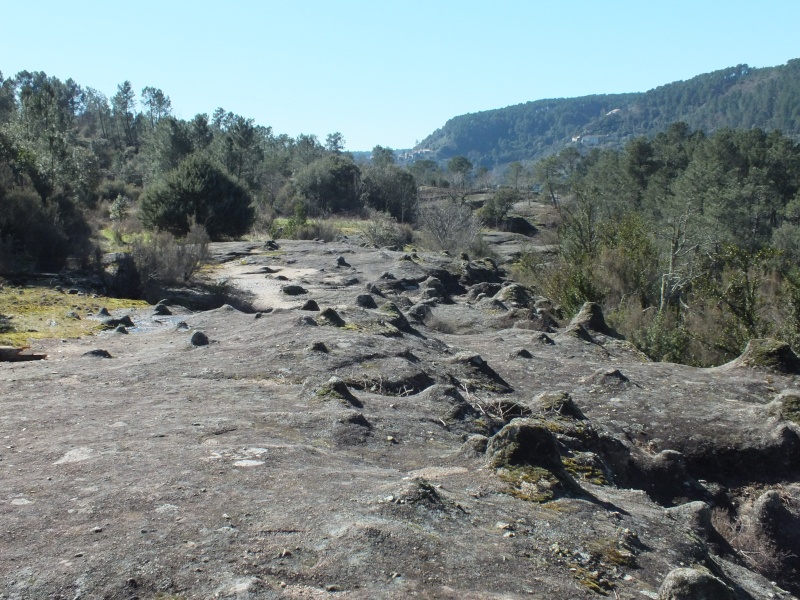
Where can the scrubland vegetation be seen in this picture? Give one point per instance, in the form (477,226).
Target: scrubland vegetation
(689,240)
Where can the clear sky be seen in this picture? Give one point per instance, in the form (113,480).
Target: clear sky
(387,72)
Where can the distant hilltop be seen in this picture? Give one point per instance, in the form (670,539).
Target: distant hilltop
(737,97)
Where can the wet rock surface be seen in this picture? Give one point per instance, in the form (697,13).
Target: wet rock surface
(395,450)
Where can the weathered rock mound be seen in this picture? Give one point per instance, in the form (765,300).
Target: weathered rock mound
(768,354)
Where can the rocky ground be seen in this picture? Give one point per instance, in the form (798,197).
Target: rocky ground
(389,425)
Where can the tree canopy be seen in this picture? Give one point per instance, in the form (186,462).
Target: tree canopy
(201,191)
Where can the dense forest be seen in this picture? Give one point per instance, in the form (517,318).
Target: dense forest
(738,97)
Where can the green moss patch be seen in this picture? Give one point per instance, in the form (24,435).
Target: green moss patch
(39,312)
(611,551)
(585,472)
(534,484)
(791,409)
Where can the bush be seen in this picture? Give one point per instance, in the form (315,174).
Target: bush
(382,230)
(392,190)
(161,259)
(752,543)
(35,234)
(317,229)
(8,257)
(200,190)
(568,284)
(111,189)
(659,336)
(498,206)
(328,185)
(264,218)
(298,227)
(449,226)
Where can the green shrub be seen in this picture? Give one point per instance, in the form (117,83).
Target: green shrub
(663,338)
(497,207)
(317,229)
(328,185)
(567,284)
(382,230)
(39,235)
(200,190)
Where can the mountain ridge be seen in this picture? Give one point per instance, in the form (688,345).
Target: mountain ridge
(735,97)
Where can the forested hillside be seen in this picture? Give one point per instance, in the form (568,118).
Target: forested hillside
(737,97)
(689,241)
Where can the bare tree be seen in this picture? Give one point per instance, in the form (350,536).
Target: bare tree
(450,225)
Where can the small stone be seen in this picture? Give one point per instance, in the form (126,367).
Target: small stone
(112,323)
(503,525)
(161,310)
(366,301)
(121,329)
(97,530)
(374,289)
(543,338)
(294,290)
(310,305)
(103,312)
(307,320)
(199,339)
(99,353)
(331,317)
(341,262)
(390,439)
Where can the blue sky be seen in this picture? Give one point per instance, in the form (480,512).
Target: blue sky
(387,72)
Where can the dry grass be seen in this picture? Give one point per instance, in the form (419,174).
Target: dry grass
(748,538)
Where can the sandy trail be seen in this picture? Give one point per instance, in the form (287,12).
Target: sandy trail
(265,289)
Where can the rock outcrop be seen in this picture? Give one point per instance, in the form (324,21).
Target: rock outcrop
(434,431)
